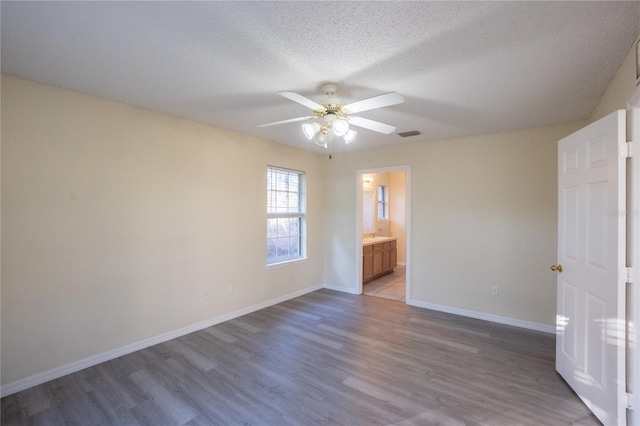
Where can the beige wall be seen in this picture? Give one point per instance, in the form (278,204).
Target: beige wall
(619,90)
(483,213)
(119,224)
(397,207)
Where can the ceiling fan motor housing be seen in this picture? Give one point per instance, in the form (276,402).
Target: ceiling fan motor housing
(333,109)
(329,89)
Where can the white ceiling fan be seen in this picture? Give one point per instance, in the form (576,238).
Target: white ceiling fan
(333,119)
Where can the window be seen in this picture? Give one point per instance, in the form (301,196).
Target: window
(383,201)
(285,215)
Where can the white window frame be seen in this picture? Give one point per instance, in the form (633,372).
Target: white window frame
(298,214)
(384,201)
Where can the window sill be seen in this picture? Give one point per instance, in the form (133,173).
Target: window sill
(286,263)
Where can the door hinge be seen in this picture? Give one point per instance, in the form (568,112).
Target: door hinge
(626,274)
(626,149)
(629,400)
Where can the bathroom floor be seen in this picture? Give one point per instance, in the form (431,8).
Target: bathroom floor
(390,286)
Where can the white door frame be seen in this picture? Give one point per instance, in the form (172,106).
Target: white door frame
(633,256)
(407,216)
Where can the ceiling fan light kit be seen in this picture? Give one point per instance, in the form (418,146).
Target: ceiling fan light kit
(310,129)
(325,131)
(333,120)
(340,127)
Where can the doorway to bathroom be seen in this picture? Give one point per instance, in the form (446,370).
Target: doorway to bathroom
(382,225)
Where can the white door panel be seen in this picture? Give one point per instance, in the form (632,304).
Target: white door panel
(591,242)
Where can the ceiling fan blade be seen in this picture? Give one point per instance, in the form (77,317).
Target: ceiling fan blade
(291,120)
(302,100)
(380,101)
(376,126)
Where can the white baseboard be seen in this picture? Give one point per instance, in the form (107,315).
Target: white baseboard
(72,367)
(343,289)
(487,317)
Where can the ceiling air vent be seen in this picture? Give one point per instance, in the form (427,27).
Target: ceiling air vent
(409,133)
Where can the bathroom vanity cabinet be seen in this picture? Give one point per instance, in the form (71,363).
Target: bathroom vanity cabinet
(379,257)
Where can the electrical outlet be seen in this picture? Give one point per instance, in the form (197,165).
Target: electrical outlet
(229,288)
(495,291)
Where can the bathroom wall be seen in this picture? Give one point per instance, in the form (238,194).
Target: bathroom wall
(395,226)
(381,228)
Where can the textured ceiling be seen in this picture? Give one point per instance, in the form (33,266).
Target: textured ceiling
(463,67)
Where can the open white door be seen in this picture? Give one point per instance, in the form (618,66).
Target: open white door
(590,339)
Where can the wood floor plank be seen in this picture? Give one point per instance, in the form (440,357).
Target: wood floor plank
(325,358)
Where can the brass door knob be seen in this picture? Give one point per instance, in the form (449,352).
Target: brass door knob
(555,268)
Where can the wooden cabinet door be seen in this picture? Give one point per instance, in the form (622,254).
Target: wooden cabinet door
(367,266)
(393,254)
(386,260)
(377,260)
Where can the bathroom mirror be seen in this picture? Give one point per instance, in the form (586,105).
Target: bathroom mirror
(367,210)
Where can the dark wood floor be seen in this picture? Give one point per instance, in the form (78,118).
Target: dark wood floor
(322,359)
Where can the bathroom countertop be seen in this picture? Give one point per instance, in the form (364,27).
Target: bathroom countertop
(375,240)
